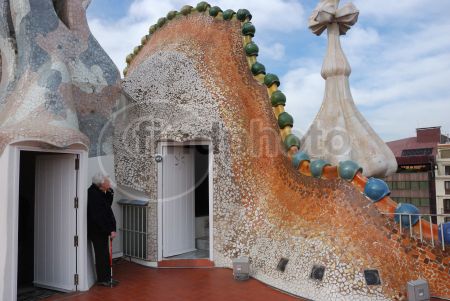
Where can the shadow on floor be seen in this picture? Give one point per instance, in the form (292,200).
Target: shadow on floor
(32,293)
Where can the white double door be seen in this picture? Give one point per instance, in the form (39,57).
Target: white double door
(178,200)
(55,222)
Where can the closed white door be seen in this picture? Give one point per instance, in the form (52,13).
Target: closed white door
(178,200)
(55,222)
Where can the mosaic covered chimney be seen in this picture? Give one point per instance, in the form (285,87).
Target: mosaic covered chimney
(340,132)
(58,85)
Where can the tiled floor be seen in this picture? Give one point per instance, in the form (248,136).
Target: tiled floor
(141,283)
(186,284)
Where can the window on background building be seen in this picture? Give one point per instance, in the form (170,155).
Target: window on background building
(416,202)
(447,170)
(447,187)
(425,202)
(417,152)
(401,185)
(446,205)
(445,153)
(415,185)
(423,185)
(389,184)
(412,168)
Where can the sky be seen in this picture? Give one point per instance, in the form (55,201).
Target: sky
(399,52)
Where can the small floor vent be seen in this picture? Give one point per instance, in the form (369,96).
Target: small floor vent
(282,264)
(372,277)
(317,272)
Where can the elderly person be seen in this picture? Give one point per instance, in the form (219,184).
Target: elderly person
(101,225)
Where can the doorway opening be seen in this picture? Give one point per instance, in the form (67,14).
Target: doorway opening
(47,230)
(185,202)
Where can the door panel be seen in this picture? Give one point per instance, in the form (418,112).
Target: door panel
(178,200)
(54,253)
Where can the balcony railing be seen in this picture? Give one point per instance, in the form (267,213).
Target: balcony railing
(422,217)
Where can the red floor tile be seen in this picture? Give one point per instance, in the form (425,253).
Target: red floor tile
(142,283)
(178,284)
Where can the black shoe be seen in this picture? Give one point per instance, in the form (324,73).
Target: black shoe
(106,284)
(115,282)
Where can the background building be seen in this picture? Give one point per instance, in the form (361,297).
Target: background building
(443,181)
(414,181)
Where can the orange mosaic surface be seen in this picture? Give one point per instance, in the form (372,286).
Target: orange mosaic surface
(329,209)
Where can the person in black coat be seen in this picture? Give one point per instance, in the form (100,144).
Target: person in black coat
(101,225)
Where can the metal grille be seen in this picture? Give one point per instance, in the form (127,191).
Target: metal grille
(134,231)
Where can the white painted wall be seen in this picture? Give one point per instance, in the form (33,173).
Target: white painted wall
(7,276)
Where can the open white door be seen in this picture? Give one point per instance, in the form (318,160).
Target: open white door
(178,187)
(55,222)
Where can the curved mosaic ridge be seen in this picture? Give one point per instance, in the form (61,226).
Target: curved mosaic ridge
(282,212)
(374,189)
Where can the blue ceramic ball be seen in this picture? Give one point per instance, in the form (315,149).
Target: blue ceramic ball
(444,230)
(348,169)
(316,167)
(298,158)
(376,189)
(405,208)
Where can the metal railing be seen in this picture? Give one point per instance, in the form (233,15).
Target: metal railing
(134,230)
(422,217)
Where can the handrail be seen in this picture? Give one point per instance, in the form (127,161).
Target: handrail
(420,226)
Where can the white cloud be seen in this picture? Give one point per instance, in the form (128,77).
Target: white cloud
(401,118)
(151,9)
(116,42)
(383,10)
(275,51)
(303,87)
(358,43)
(119,37)
(270,15)
(400,80)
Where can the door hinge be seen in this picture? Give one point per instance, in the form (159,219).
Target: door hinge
(75,279)
(77,164)
(75,202)
(75,241)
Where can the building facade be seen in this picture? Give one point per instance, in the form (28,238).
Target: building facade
(414,181)
(443,181)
